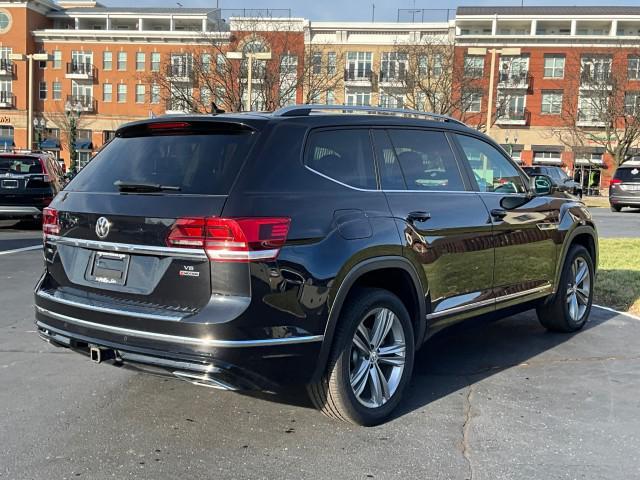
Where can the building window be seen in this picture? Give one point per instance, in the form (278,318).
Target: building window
(391,101)
(140,93)
(155,93)
(43,90)
(632,103)
(552,158)
(83,158)
(205,97)
(437,65)
(206,62)
(473,102)
(122,93)
(140,61)
(551,102)
(288,65)
(359,65)
(473,66)
(331,97)
(108,135)
(358,97)
(155,62)
(316,63)
(393,66)
(220,63)
(331,63)
(107,92)
(57,59)
(107,60)
(56,90)
(633,68)
(554,66)
(122,61)
(595,68)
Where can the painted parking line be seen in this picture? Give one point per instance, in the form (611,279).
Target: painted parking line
(613,310)
(24,249)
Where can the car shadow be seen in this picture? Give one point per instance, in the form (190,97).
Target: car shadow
(464,354)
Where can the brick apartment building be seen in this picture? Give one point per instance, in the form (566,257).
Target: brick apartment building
(115,65)
(547,63)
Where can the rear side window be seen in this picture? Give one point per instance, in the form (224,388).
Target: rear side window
(342,155)
(15,164)
(628,174)
(192,162)
(426,160)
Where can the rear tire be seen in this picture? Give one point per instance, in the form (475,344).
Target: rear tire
(371,360)
(615,208)
(569,310)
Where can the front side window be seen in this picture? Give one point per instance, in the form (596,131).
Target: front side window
(425,159)
(140,60)
(57,59)
(122,61)
(343,155)
(140,93)
(107,60)
(155,62)
(107,92)
(491,169)
(56,90)
(554,66)
(122,93)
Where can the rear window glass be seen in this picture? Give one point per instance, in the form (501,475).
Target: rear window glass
(343,155)
(628,174)
(201,164)
(14,164)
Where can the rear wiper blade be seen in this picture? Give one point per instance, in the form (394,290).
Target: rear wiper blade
(125,186)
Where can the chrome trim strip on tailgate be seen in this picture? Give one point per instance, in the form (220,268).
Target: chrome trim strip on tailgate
(163,337)
(193,253)
(114,311)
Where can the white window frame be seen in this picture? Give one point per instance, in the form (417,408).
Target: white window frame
(553,100)
(556,66)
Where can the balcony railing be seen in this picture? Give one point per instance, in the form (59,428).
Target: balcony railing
(80,70)
(7,67)
(7,100)
(588,118)
(366,76)
(392,77)
(180,72)
(87,102)
(520,80)
(514,117)
(595,80)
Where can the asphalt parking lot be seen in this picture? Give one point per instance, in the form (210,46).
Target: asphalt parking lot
(500,400)
(617,224)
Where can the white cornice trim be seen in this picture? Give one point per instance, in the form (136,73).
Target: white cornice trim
(131,36)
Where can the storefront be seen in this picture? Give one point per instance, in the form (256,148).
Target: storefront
(6,138)
(587,169)
(547,155)
(515,150)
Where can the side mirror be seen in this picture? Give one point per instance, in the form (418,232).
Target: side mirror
(540,184)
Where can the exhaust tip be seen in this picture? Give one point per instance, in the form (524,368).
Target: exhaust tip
(204,380)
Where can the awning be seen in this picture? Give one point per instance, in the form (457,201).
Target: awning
(547,161)
(547,148)
(83,144)
(50,144)
(585,161)
(6,143)
(516,159)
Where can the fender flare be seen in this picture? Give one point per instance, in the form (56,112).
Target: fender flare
(571,235)
(366,266)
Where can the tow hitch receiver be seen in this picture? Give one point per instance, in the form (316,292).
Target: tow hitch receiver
(98,354)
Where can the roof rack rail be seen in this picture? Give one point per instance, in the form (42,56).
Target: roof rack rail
(305,110)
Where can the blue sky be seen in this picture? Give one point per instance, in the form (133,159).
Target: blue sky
(353,10)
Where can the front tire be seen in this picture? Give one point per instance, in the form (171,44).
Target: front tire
(569,310)
(615,208)
(370,362)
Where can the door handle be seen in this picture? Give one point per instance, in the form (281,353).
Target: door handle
(498,213)
(418,217)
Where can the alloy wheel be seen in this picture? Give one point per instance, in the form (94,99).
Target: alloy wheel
(377,357)
(578,289)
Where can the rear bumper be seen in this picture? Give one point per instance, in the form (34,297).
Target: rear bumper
(625,200)
(248,364)
(15,211)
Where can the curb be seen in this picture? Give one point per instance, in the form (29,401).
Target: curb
(609,309)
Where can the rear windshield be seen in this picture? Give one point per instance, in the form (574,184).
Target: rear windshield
(628,174)
(15,164)
(197,163)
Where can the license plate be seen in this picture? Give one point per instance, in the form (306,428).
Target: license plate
(109,268)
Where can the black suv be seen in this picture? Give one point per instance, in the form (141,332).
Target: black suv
(624,190)
(28,183)
(561,181)
(303,247)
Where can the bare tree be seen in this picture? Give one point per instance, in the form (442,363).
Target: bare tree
(605,113)
(322,72)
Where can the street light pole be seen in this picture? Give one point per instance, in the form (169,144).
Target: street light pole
(30,58)
(39,125)
(250,56)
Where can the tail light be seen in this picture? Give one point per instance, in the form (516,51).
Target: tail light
(615,181)
(50,222)
(232,240)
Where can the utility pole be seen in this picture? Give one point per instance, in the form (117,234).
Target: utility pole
(373,12)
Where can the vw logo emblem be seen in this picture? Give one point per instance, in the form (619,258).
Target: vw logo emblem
(102,227)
